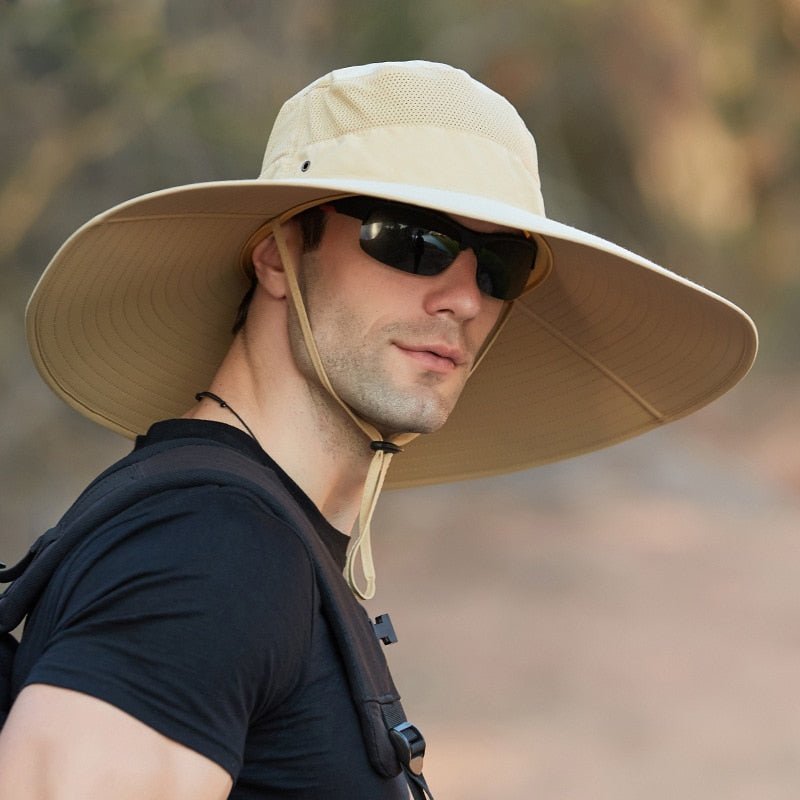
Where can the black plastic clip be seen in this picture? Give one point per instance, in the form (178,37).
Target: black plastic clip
(384,629)
(386,447)
(409,744)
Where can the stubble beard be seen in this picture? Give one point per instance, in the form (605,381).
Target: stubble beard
(363,381)
(358,374)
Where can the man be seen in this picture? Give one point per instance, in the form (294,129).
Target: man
(395,241)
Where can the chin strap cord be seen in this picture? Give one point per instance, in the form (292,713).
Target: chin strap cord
(383,449)
(361,543)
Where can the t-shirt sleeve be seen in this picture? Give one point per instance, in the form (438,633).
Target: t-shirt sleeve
(191,612)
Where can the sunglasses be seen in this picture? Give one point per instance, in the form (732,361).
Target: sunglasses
(423,242)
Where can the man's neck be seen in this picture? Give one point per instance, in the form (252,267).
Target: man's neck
(301,428)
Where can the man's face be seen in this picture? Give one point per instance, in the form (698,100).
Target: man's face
(397,347)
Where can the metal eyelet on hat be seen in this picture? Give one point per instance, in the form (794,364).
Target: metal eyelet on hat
(304,166)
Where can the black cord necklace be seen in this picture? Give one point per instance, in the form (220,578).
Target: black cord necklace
(387,447)
(222,404)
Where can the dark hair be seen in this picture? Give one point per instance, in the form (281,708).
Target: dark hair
(312,226)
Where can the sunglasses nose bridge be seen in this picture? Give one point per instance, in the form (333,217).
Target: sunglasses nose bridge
(456,287)
(474,242)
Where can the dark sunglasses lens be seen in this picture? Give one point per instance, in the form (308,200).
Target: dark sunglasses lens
(408,243)
(504,267)
(406,246)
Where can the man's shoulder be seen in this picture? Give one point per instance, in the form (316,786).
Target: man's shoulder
(160,472)
(227,524)
(178,504)
(176,509)
(215,550)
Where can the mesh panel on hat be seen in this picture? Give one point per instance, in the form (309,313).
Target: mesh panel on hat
(433,96)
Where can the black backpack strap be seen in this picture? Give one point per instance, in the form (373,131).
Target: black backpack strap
(392,743)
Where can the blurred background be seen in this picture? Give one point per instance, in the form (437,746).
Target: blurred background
(621,625)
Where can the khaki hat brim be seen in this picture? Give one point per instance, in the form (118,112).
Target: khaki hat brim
(132,317)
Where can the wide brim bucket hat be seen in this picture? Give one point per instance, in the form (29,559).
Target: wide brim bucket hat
(133,315)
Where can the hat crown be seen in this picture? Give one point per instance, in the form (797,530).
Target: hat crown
(414,122)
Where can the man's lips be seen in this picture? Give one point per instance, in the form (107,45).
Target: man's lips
(439,357)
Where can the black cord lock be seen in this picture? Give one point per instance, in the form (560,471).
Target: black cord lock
(386,447)
(409,744)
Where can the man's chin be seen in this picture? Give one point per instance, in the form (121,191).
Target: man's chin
(420,424)
(400,412)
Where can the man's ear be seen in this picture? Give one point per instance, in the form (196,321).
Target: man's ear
(268,264)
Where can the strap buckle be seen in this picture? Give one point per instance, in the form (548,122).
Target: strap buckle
(409,744)
(384,629)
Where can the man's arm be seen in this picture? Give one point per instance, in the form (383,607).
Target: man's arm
(58,744)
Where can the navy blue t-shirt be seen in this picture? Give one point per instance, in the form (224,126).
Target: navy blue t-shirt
(196,611)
